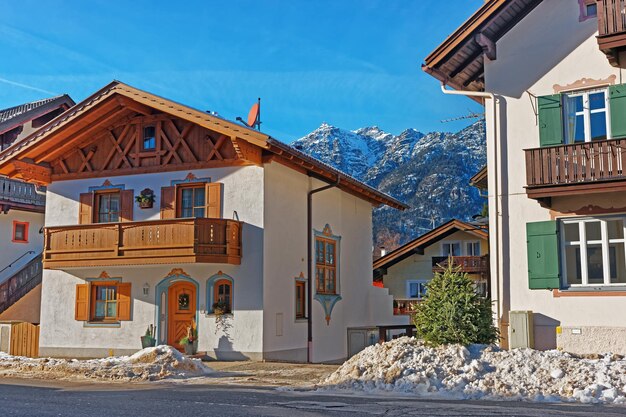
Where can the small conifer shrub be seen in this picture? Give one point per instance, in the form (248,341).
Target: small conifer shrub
(453,312)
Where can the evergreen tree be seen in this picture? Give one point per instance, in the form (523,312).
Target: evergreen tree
(453,312)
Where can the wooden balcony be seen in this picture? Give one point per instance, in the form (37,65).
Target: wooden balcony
(404,306)
(174,241)
(612,28)
(467,264)
(579,168)
(19,194)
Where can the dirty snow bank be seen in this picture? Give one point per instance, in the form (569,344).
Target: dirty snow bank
(406,365)
(149,364)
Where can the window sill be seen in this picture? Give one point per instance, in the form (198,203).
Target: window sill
(590,292)
(211,314)
(301,320)
(102,324)
(19,241)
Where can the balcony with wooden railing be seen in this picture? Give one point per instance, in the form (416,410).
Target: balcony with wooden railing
(189,240)
(15,193)
(612,28)
(467,264)
(404,306)
(578,168)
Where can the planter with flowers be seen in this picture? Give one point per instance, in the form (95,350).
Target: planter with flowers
(145,199)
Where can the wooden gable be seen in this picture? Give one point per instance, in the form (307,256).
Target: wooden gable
(119,149)
(108,140)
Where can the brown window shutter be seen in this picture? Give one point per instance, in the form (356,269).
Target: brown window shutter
(168,202)
(85,215)
(123,301)
(81,312)
(126,205)
(214,200)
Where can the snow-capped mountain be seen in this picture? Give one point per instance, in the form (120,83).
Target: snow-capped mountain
(430,172)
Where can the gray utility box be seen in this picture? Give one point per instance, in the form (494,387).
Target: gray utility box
(361,337)
(521,330)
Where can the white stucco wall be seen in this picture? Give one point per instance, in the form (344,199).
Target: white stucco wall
(285,249)
(11,251)
(243,193)
(549,46)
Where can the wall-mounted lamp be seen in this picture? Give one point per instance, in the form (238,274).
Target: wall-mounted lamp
(146,289)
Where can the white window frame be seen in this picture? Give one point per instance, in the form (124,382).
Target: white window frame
(587,112)
(415,281)
(452,242)
(582,244)
(472,242)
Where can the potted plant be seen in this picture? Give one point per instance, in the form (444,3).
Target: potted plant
(145,198)
(220,308)
(190,342)
(148,339)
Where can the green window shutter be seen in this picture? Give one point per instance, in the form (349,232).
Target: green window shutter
(543,255)
(617,105)
(550,120)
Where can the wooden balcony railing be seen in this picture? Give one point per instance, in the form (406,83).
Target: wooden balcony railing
(553,170)
(611,27)
(467,264)
(404,306)
(14,191)
(18,285)
(196,240)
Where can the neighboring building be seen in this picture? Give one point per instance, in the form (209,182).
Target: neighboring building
(221,221)
(406,270)
(556,151)
(22,216)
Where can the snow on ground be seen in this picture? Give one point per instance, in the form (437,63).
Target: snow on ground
(406,365)
(149,364)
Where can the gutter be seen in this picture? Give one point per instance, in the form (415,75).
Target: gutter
(309,234)
(494,104)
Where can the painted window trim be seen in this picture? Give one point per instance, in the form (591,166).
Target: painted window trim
(210,292)
(605,241)
(190,180)
(408,283)
(327,235)
(582,6)
(107,187)
(162,310)
(101,323)
(26,228)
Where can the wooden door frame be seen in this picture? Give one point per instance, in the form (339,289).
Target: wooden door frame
(161,302)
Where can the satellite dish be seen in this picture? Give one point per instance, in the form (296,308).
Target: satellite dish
(253,115)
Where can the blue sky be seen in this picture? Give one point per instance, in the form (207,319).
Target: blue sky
(348,63)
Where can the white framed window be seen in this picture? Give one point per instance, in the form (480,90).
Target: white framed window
(472,248)
(450,248)
(585,115)
(593,251)
(416,288)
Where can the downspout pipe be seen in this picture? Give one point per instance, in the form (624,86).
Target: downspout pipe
(309,234)
(496,180)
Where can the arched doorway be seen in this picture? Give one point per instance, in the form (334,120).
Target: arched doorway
(181,311)
(167,309)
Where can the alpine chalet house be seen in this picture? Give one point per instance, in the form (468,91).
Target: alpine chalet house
(407,270)
(160,214)
(22,208)
(556,160)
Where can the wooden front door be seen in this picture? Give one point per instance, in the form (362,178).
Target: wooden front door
(181,310)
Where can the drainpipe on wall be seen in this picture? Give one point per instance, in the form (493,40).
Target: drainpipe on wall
(309,235)
(491,96)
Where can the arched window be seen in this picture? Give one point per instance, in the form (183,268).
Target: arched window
(222,295)
(220,290)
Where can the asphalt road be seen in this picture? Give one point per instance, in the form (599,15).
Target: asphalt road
(30,398)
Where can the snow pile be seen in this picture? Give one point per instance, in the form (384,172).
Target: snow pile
(406,365)
(149,364)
